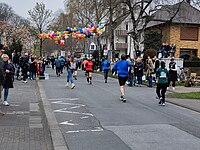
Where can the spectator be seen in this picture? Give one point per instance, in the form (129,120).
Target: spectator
(9,72)
(150,72)
(139,70)
(1,63)
(172,73)
(24,64)
(1,73)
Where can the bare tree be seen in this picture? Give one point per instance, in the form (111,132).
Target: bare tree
(108,12)
(40,17)
(19,22)
(141,14)
(6,12)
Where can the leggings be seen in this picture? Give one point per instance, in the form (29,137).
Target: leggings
(161,90)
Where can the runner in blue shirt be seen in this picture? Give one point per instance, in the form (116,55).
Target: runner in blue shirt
(105,66)
(122,70)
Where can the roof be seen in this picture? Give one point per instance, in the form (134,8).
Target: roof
(181,12)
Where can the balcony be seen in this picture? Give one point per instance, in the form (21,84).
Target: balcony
(121,32)
(119,46)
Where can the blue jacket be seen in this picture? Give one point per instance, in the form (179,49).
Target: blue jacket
(122,67)
(57,63)
(105,64)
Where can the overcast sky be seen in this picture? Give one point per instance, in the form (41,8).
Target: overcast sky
(21,7)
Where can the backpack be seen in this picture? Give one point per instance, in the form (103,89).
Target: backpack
(62,63)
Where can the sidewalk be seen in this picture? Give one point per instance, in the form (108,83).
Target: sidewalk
(192,104)
(24,124)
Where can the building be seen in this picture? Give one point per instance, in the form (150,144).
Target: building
(179,24)
(122,41)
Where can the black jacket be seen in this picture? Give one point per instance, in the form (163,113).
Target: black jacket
(8,77)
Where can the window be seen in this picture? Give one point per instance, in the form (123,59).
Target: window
(188,54)
(126,39)
(127,27)
(92,46)
(189,33)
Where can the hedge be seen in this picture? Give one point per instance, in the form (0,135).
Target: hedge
(191,64)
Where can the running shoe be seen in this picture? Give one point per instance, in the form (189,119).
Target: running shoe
(5,103)
(160,102)
(121,98)
(73,86)
(124,100)
(163,104)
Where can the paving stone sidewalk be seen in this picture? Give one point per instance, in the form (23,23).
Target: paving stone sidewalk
(24,126)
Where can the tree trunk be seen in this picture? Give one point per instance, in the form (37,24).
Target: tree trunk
(41,52)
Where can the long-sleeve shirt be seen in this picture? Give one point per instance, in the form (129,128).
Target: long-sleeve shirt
(122,67)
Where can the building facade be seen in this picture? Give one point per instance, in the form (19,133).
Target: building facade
(122,41)
(186,39)
(181,28)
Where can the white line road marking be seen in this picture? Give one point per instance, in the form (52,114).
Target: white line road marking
(69,99)
(14,105)
(97,129)
(75,107)
(18,112)
(85,117)
(68,123)
(61,102)
(71,104)
(73,112)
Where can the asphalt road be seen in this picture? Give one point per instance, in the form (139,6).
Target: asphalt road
(91,117)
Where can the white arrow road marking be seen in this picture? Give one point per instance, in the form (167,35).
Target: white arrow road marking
(68,123)
(71,104)
(76,107)
(70,99)
(73,112)
(97,129)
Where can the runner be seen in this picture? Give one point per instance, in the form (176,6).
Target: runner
(122,68)
(71,66)
(83,65)
(89,67)
(57,63)
(105,66)
(162,84)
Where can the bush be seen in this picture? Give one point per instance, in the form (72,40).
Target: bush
(149,52)
(191,63)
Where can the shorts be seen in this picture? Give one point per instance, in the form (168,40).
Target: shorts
(122,80)
(87,71)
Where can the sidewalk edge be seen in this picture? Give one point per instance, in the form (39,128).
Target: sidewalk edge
(184,106)
(56,135)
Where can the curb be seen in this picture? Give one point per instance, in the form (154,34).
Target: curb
(182,105)
(56,135)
